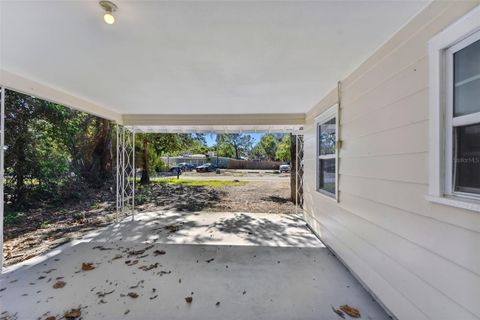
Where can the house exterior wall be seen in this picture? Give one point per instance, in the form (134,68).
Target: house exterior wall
(420,259)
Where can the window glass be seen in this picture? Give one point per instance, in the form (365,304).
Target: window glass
(467,80)
(467,158)
(327,175)
(327,157)
(327,137)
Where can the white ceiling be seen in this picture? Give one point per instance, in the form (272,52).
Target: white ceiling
(198,57)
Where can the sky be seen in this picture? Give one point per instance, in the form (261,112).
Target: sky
(210,138)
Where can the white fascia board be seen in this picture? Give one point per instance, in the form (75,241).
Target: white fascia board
(27,86)
(202,120)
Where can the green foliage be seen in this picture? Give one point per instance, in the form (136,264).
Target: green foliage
(52,152)
(272,147)
(233,145)
(268,146)
(11,217)
(151,146)
(44,225)
(283,149)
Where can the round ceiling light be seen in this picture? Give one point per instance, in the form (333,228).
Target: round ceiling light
(109,8)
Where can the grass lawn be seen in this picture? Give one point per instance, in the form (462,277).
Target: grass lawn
(200,183)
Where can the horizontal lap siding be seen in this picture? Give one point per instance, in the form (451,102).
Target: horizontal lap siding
(420,259)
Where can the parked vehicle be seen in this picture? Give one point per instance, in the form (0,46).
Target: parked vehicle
(284,168)
(185,166)
(207,167)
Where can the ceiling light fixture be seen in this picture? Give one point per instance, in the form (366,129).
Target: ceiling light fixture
(109,8)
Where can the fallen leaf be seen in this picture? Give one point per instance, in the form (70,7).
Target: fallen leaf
(158,252)
(101,248)
(103,294)
(150,267)
(189,299)
(72,314)
(134,262)
(352,312)
(133,295)
(59,284)
(138,283)
(87,266)
(173,228)
(340,313)
(136,252)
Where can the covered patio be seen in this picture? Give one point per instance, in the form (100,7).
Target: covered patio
(230,67)
(232,265)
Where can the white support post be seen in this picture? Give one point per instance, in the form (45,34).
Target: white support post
(2,171)
(117,178)
(126,174)
(296,173)
(134,174)
(299,171)
(123,169)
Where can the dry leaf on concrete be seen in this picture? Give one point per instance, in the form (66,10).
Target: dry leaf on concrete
(352,312)
(87,266)
(72,314)
(340,313)
(59,284)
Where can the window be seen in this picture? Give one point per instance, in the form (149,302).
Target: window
(462,121)
(454,58)
(327,152)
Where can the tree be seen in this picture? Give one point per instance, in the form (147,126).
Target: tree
(153,145)
(283,149)
(20,160)
(268,145)
(239,143)
(52,151)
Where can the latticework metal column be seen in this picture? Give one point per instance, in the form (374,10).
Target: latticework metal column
(299,171)
(126,173)
(2,170)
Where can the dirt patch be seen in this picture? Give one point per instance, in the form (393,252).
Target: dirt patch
(42,229)
(258,196)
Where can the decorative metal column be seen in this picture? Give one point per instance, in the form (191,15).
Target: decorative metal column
(2,171)
(299,170)
(126,173)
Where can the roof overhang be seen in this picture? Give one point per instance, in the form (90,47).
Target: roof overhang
(164,62)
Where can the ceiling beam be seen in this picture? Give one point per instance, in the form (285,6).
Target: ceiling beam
(214,119)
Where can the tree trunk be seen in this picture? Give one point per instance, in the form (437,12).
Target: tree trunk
(145,179)
(237,154)
(100,164)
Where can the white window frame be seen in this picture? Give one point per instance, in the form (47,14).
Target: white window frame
(441,48)
(326,116)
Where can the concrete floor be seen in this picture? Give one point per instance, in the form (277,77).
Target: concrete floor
(233,265)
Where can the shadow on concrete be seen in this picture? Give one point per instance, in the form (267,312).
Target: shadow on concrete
(213,228)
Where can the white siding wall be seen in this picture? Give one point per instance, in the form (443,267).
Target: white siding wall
(420,259)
